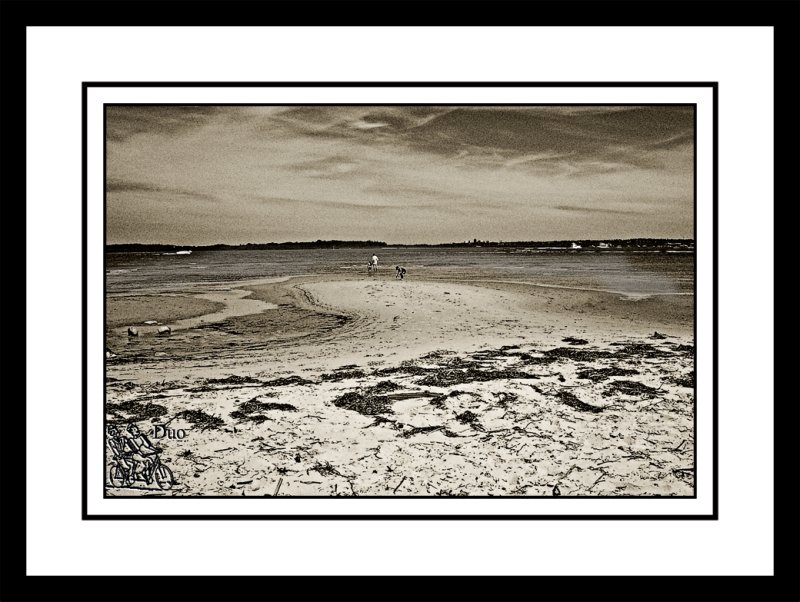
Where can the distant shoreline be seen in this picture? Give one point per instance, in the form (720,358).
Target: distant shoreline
(685,243)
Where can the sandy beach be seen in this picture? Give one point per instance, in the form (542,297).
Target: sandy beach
(351,385)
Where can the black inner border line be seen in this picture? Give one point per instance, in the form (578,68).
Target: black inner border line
(712,85)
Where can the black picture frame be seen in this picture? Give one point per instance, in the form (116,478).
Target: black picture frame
(782,16)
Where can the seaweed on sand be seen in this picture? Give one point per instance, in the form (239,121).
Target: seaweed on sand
(457,376)
(436,355)
(488,354)
(136,410)
(326,469)
(629,387)
(385,386)
(287,380)
(571,400)
(233,379)
(574,341)
(343,375)
(379,420)
(115,383)
(410,369)
(641,349)
(201,419)
(365,402)
(582,355)
(439,402)
(687,380)
(255,418)
(534,360)
(229,382)
(600,374)
(416,430)
(467,417)
(251,409)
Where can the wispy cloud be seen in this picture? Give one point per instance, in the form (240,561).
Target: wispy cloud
(589,209)
(360,124)
(121,186)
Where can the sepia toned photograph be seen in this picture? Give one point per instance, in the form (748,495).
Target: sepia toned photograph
(400,301)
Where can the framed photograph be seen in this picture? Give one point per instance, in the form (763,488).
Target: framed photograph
(289,303)
(305,293)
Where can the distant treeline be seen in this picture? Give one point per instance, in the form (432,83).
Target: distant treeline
(317,244)
(371,244)
(615,242)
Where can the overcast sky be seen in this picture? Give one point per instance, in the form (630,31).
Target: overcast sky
(204,175)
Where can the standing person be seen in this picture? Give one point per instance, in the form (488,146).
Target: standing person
(374,262)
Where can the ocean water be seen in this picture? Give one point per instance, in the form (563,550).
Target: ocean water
(635,272)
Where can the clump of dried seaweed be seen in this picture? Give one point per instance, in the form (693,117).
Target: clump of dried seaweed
(456,376)
(574,341)
(490,354)
(326,469)
(233,380)
(125,385)
(629,387)
(336,376)
(571,400)
(581,355)
(135,410)
(440,402)
(365,402)
(287,380)
(439,354)
(467,417)
(687,380)
(600,374)
(200,419)
(229,382)
(641,350)
(416,430)
(385,386)
(405,368)
(251,409)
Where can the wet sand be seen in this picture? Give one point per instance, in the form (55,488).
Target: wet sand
(350,385)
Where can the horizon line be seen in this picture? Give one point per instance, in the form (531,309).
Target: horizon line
(401,244)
